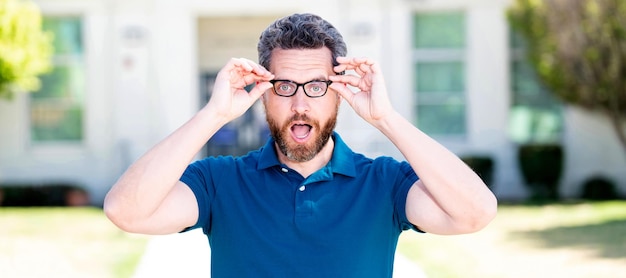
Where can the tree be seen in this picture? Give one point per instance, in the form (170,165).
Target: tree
(25,49)
(578,48)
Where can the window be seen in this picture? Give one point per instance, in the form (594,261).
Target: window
(439,68)
(56,110)
(536,115)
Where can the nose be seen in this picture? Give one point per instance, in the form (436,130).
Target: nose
(299,101)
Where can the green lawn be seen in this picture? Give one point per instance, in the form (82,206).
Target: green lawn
(65,242)
(559,240)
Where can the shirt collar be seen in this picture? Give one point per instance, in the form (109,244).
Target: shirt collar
(340,163)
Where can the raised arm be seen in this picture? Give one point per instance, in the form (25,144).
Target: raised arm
(149,198)
(449,198)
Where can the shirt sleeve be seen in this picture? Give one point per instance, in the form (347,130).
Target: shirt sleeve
(405,179)
(199,177)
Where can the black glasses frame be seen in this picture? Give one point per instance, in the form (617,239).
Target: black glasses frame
(298,85)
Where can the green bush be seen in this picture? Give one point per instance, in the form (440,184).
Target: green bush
(541,166)
(42,195)
(599,188)
(483,166)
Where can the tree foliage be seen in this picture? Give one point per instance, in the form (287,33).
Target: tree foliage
(578,48)
(25,49)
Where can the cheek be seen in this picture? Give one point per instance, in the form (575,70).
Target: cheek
(333,105)
(277,106)
(275,111)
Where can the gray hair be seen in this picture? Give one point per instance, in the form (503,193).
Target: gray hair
(300,31)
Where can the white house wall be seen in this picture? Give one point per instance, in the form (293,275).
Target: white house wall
(489,97)
(144,58)
(591,150)
(88,163)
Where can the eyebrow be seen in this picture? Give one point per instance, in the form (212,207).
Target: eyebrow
(318,78)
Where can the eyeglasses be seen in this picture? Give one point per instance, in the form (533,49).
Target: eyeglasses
(312,89)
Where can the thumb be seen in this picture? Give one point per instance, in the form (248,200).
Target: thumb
(343,91)
(259,89)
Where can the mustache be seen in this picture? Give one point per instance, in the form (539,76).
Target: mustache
(299,117)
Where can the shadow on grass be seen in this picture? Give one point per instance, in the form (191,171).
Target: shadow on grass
(607,239)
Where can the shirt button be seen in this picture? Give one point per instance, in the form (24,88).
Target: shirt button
(284,170)
(302,188)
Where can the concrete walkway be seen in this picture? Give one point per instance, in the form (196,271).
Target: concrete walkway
(187,254)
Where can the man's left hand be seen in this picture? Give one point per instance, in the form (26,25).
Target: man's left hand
(370,100)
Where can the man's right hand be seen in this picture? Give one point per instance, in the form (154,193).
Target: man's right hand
(149,198)
(229,99)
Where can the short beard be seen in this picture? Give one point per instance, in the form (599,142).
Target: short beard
(300,152)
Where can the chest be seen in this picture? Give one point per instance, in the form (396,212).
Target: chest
(279,218)
(280,200)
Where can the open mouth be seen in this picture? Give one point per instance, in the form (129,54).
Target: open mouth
(301,131)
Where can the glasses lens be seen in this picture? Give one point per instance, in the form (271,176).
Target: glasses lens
(285,88)
(315,88)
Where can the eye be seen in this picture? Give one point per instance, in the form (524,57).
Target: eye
(316,88)
(284,87)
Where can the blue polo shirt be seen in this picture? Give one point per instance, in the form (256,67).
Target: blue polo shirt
(264,219)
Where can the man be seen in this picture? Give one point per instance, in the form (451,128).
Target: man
(304,205)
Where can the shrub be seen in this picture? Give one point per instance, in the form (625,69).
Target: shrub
(52,194)
(483,166)
(541,166)
(599,188)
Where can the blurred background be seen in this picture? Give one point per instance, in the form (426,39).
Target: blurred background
(530,96)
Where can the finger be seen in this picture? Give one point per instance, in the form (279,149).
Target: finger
(245,66)
(259,89)
(346,79)
(365,68)
(261,71)
(242,64)
(355,61)
(340,68)
(253,78)
(362,60)
(374,68)
(264,74)
(361,66)
(342,59)
(345,63)
(343,91)
(251,72)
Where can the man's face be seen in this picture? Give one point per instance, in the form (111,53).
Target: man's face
(301,125)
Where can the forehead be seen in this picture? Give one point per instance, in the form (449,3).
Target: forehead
(301,65)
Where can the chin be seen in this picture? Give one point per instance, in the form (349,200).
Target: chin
(307,149)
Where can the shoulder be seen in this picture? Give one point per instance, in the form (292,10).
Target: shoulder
(343,153)
(227,160)
(216,170)
(389,166)
(387,162)
(212,162)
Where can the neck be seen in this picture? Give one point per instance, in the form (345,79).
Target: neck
(307,168)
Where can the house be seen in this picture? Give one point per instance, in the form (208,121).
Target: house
(130,72)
